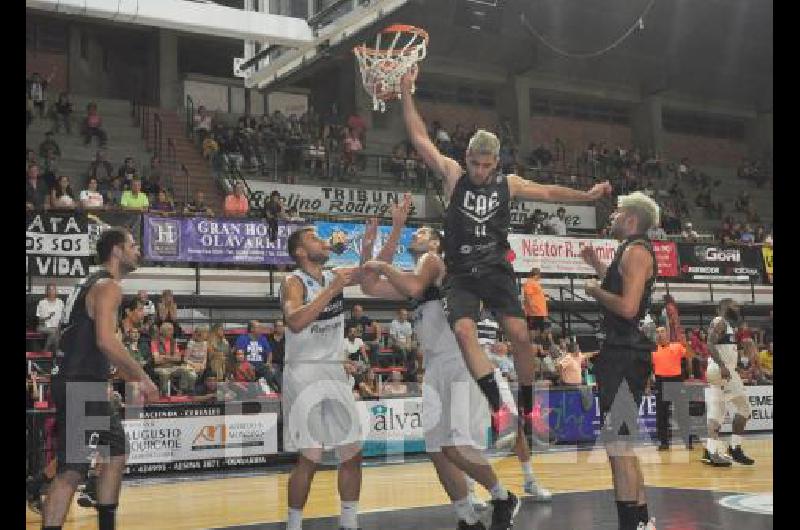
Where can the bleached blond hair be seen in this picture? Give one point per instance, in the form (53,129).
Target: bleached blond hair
(643,207)
(484,143)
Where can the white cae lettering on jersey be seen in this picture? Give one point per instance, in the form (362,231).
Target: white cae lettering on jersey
(478,207)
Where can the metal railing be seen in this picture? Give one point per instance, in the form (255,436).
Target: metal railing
(189,114)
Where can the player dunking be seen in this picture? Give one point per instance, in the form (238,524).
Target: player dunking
(624,363)
(725,386)
(319,409)
(475,247)
(455,413)
(90,345)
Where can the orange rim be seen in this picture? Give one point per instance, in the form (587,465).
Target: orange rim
(395,28)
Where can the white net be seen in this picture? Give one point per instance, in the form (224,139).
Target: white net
(397,48)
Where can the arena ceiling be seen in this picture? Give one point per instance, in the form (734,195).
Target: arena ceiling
(712,49)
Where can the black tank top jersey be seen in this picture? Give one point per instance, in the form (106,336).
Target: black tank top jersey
(82,360)
(476,224)
(621,331)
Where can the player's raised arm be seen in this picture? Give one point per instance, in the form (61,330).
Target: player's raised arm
(446,167)
(409,284)
(527,190)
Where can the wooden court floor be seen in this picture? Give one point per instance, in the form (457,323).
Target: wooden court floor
(228,501)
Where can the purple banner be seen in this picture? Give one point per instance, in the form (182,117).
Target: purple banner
(215,240)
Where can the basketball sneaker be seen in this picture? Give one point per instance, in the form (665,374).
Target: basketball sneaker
(536,491)
(650,525)
(737,455)
(462,525)
(87,498)
(478,504)
(504,512)
(715,459)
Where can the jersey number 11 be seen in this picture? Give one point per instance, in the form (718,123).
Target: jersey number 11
(480,230)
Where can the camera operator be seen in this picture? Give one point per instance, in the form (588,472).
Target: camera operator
(557,224)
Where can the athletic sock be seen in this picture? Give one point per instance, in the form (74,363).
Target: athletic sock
(527,470)
(525,399)
(106,516)
(488,385)
(499,492)
(294,520)
(465,511)
(736,440)
(349,514)
(711,445)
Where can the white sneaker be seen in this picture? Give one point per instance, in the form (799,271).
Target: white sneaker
(651,525)
(478,504)
(538,493)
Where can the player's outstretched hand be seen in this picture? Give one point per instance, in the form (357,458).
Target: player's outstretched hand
(401,210)
(589,255)
(345,276)
(724,372)
(370,233)
(409,78)
(600,190)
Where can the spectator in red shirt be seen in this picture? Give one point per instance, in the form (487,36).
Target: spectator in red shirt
(92,126)
(236,204)
(359,127)
(743,333)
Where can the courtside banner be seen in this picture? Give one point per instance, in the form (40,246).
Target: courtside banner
(215,240)
(171,436)
(554,254)
(718,263)
(580,217)
(761,400)
(346,238)
(767,253)
(392,426)
(57,244)
(333,200)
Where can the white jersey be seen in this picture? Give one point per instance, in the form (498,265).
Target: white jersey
(322,340)
(728,353)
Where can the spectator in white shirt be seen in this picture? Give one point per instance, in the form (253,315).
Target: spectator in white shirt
(149,309)
(401,339)
(90,197)
(355,350)
(689,233)
(558,224)
(49,311)
(501,360)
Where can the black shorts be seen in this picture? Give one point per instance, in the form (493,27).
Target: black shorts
(538,323)
(612,366)
(77,440)
(496,286)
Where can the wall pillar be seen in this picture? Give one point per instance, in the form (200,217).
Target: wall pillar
(169,90)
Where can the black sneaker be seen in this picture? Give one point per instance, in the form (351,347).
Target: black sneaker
(462,525)
(715,459)
(33,494)
(663,447)
(87,498)
(504,512)
(738,456)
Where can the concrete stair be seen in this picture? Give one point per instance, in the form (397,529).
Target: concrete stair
(187,154)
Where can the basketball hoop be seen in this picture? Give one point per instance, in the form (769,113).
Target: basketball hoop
(383,66)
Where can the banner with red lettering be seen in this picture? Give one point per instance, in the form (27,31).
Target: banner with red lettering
(553,254)
(667,257)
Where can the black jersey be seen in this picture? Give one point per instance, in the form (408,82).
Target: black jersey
(82,360)
(476,224)
(621,331)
